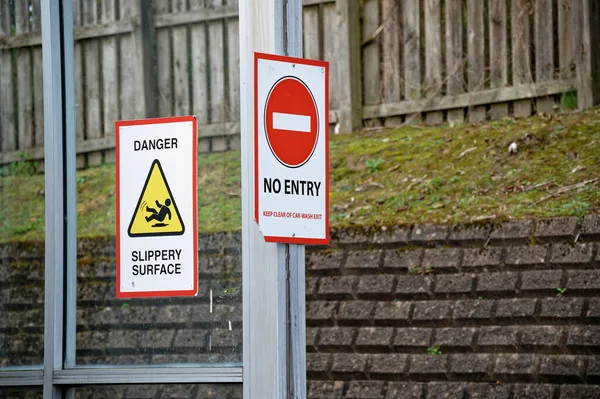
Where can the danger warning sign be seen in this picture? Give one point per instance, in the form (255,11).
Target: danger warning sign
(156,207)
(156,213)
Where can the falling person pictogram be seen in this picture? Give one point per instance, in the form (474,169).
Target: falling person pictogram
(160,220)
(159,215)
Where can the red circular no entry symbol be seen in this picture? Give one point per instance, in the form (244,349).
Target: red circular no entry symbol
(291,122)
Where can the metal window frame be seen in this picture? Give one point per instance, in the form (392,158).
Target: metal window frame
(147,375)
(274,331)
(54,177)
(59,372)
(21,378)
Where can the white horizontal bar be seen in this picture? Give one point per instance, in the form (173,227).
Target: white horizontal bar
(297,123)
(21,378)
(145,375)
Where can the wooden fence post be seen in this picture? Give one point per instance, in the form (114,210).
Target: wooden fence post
(348,44)
(521,43)
(411,25)
(595,49)
(8,131)
(139,97)
(147,38)
(476,55)
(145,64)
(454,55)
(587,52)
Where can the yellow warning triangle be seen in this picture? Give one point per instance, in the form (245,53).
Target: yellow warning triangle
(156,213)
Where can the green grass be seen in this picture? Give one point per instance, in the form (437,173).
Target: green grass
(392,176)
(434,350)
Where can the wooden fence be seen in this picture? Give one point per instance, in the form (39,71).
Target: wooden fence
(457,60)
(392,62)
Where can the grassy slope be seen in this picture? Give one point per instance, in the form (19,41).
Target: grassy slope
(387,177)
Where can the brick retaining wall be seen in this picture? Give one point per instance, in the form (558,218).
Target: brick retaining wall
(483,297)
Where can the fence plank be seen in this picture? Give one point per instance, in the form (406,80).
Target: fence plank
(433,56)
(498,53)
(232,27)
(592,38)
(454,55)
(587,14)
(93,127)
(310,30)
(110,96)
(8,139)
(216,49)
(412,51)
(521,42)
(349,112)
(127,67)
(138,97)
(331,52)
(391,56)
(180,63)
(38,90)
(79,93)
(24,80)
(163,46)
(79,33)
(233,50)
(200,75)
(476,55)
(482,97)
(107,143)
(372,79)
(315,2)
(544,51)
(581,66)
(565,39)
(193,17)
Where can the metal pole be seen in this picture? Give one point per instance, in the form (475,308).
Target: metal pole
(261,287)
(69,156)
(298,320)
(273,274)
(296,317)
(59,155)
(54,193)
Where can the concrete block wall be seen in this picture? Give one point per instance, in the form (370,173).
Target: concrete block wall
(459,312)
(424,311)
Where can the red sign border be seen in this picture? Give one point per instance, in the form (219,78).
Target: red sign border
(156,121)
(302,61)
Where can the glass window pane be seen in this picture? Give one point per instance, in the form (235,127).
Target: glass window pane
(188,69)
(20,393)
(203,391)
(206,328)
(21,187)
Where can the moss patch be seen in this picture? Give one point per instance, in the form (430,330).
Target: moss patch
(390,176)
(466,173)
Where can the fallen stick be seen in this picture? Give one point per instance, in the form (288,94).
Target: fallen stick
(465,152)
(536,186)
(567,189)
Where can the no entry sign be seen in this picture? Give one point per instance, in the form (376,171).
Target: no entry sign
(291,155)
(156,207)
(291,122)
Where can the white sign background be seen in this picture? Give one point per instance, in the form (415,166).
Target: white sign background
(179,167)
(268,70)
